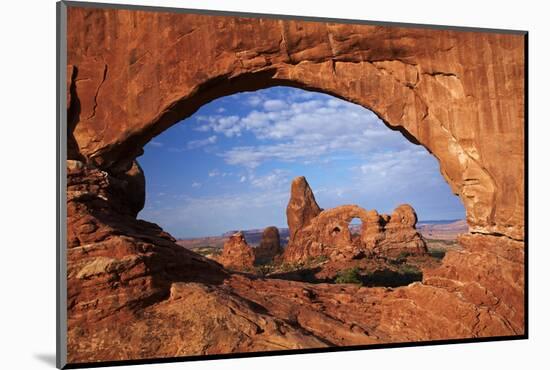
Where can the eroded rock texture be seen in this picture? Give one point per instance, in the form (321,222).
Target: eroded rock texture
(301,208)
(237,254)
(134,293)
(395,234)
(327,234)
(132,74)
(270,246)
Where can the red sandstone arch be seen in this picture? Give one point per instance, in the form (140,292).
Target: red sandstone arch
(460,94)
(331,226)
(340,218)
(133,74)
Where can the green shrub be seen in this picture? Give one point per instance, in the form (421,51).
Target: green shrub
(403,255)
(409,270)
(438,253)
(349,276)
(290,266)
(385,277)
(263,270)
(207,251)
(450,243)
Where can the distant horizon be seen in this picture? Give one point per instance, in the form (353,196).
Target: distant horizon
(179,237)
(229,166)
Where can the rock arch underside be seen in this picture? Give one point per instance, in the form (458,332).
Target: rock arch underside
(133,293)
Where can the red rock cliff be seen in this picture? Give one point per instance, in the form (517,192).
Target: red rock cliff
(132,74)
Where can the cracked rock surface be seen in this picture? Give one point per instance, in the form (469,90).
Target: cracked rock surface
(134,293)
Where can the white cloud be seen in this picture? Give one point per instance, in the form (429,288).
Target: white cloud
(196,184)
(298,94)
(242,179)
(204,126)
(399,161)
(254,100)
(397,171)
(274,105)
(276,179)
(195,144)
(252,156)
(156,143)
(226,125)
(334,103)
(304,129)
(214,173)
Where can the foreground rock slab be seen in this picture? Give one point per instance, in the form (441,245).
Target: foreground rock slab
(134,293)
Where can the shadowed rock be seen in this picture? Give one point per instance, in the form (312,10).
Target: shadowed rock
(270,246)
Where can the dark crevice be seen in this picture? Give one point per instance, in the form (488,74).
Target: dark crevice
(73,117)
(391,60)
(496,234)
(92,115)
(445,74)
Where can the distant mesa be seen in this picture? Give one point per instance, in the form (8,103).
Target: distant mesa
(443,231)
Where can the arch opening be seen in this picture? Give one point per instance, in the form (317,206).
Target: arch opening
(229,167)
(355,226)
(119,158)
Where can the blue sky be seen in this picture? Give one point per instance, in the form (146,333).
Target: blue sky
(229,166)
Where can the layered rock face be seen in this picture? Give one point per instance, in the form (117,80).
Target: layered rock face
(237,254)
(132,291)
(437,87)
(327,234)
(270,246)
(117,265)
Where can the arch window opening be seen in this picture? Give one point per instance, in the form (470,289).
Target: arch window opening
(220,182)
(355,227)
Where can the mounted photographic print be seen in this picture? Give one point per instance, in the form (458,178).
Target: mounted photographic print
(235,184)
